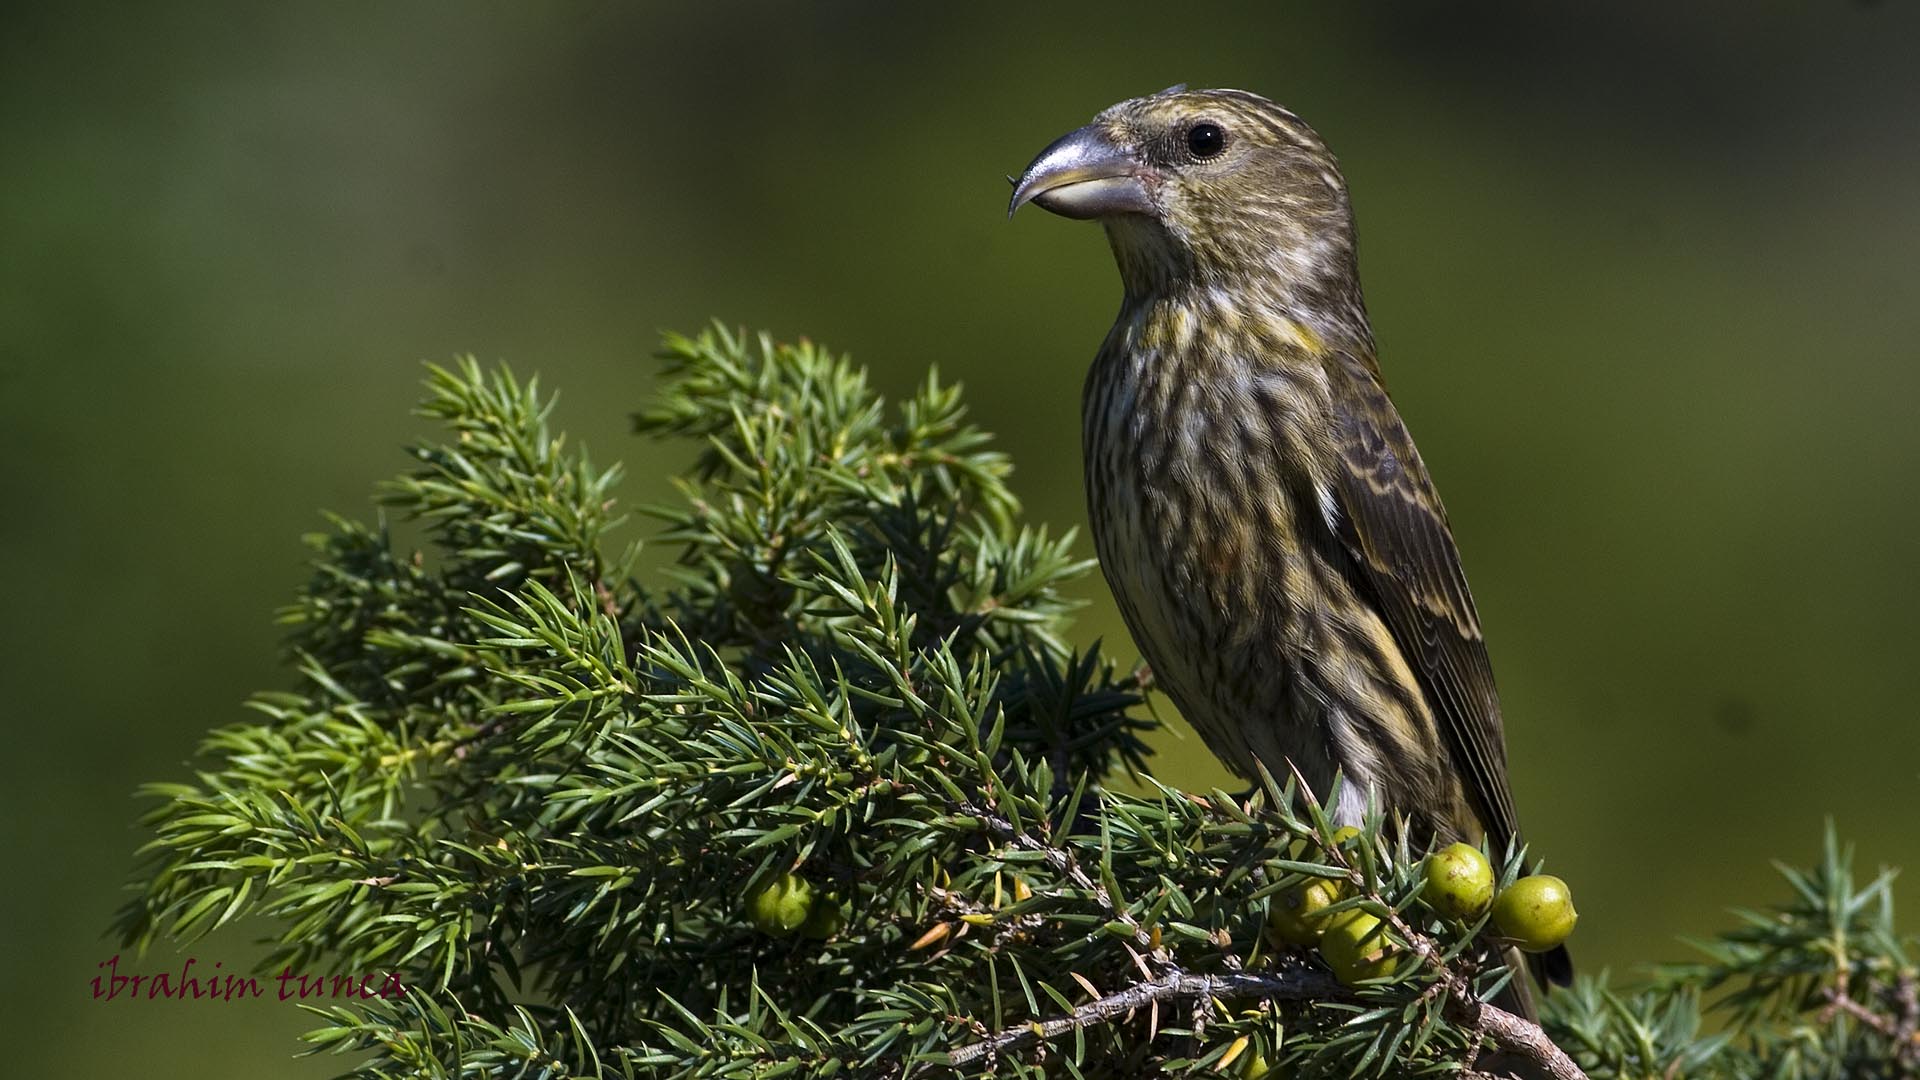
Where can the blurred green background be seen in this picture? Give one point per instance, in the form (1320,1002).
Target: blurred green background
(1646,279)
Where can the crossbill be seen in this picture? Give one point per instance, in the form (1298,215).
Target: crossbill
(1263,518)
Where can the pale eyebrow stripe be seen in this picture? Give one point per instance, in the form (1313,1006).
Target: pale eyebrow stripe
(1275,118)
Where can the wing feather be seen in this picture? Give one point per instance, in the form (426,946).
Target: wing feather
(1395,531)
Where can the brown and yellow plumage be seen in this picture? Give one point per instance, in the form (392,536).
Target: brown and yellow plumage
(1260,512)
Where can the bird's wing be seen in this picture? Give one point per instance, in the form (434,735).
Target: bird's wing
(1395,530)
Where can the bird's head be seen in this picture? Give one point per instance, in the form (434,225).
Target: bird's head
(1210,186)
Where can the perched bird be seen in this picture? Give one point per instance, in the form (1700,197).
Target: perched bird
(1260,512)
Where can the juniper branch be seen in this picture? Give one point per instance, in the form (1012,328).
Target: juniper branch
(542,792)
(1296,984)
(1064,862)
(1501,1027)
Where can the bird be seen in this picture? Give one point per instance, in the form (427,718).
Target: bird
(1271,534)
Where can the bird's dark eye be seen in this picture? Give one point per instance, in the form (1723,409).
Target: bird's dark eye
(1206,139)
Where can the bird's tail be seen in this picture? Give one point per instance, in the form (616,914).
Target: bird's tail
(1553,967)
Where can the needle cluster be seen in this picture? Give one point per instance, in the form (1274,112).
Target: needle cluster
(542,791)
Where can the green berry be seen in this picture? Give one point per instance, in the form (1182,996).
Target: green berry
(1535,913)
(1293,916)
(780,905)
(1356,947)
(1459,882)
(827,918)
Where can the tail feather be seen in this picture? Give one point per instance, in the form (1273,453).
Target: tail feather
(1553,967)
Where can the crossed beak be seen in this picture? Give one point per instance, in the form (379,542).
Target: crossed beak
(1085,174)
